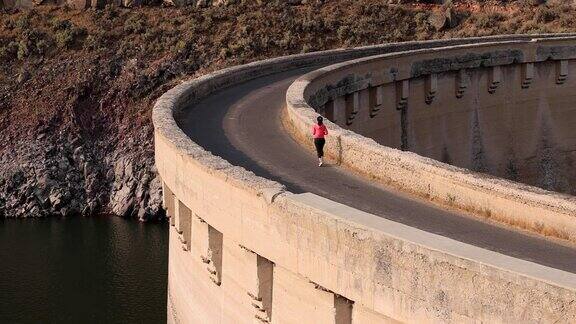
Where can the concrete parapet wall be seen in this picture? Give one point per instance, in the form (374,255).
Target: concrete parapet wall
(244,250)
(320,250)
(524,206)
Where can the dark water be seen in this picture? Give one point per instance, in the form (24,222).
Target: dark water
(83,270)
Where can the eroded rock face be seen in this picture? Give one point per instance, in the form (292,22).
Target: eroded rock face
(61,176)
(136,190)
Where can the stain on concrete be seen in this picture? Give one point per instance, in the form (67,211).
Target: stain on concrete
(478,160)
(349,84)
(445,157)
(548,157)
(562,52)
(466,61)
(404,129)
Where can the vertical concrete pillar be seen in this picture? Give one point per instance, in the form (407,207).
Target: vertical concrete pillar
(527,75)
(374,103)
(339,110)
(361,104)
(184,225)
(356,102)
(215,255)
(199,239)
(168,202)
(402,94)
(404,129)
(561,71)
(352,106)
(462,82)
(379,96)
(265,287)
(329,110)
(431,88)
(494,79)
(206,244)
(176,215)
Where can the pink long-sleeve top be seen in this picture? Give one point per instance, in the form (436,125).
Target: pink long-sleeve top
(319,131)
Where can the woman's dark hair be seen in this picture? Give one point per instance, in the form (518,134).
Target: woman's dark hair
(320,120)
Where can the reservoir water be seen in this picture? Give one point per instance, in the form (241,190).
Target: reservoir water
(83,270)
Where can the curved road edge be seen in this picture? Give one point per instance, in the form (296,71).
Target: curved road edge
(320,251)
(511,203)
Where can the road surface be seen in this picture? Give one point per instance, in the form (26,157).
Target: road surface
(242,125)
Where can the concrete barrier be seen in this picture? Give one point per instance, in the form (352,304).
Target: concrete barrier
(244,250)
(513,203)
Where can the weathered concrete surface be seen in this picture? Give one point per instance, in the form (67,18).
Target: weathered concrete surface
(512,203)
(515,133)
(392,269)
(316,243)
(248,140)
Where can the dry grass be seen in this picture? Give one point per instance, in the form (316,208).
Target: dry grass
(94,74)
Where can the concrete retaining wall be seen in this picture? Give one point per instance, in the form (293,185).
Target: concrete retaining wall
(242,249)
(520,205)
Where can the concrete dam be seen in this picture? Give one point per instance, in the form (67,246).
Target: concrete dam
(476,118)
(446,198)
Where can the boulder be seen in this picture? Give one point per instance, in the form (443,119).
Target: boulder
(55,199)
(77,4)
(443,19)
(23,76)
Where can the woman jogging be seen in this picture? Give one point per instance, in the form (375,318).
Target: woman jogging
(319,130)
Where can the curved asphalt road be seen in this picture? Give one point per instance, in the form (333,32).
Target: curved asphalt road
(242,125)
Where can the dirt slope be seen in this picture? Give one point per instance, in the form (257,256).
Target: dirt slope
(77,87)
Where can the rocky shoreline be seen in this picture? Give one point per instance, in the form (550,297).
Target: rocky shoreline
(59,175)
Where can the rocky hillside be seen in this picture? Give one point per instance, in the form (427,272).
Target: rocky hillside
(77,86)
